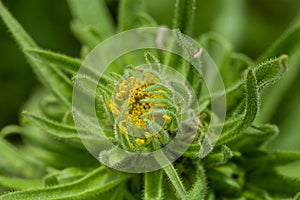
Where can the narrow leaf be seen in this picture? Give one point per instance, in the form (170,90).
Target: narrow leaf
(130,14)
(297,196)
(274,183)
(217,47)
(270,71)
(273,96)
(252,99)
(55,129)
(69,64)
(65,176)
(19,183)
(184,16)
(84,35)
(251,109)
(92,14)
(266,74)
(288,43)
(19,34)
(176,181)
(94,183)
(18,163)
(199,188)
(56,81)
(277,158)
(193,151)
(283,157)
(254,137)
(219,158)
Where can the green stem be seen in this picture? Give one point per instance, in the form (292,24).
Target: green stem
(153,185)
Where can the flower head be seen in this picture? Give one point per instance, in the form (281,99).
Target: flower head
(147,108)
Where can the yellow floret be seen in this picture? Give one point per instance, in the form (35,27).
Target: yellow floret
(140,141)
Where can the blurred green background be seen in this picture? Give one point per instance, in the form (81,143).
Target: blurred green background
(47,21)
(249,25)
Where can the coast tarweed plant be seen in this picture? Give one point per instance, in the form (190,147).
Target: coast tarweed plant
(141,110)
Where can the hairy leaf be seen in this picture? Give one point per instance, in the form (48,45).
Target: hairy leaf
(56,129)
(66,63)
(251,109)
(94,183)
(199,188)
(58,83)
(176,181)
(184,16)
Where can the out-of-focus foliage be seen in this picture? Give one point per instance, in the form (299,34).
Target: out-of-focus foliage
(46,20)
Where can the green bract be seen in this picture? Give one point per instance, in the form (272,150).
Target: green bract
(54,164)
